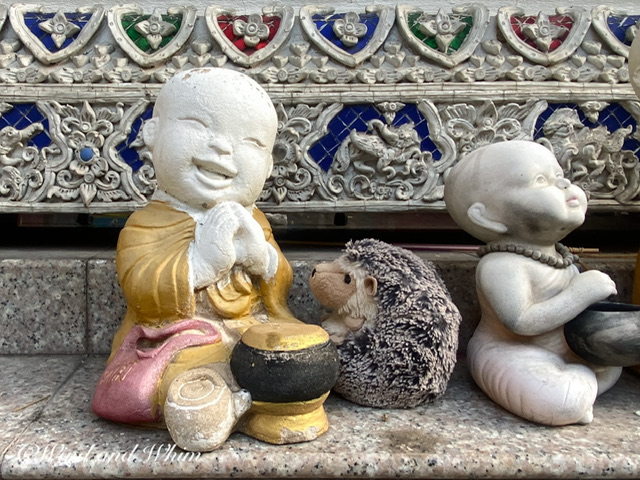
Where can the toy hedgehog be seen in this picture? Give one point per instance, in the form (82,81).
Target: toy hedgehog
(393,321)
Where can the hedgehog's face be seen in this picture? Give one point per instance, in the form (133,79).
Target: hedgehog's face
(336,283)
(332,285)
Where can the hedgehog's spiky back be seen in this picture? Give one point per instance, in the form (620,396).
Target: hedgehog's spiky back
(407,357)
(397,270)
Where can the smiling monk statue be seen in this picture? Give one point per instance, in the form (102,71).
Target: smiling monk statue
(198,265)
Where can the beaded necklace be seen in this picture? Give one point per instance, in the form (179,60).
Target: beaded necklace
(567,260)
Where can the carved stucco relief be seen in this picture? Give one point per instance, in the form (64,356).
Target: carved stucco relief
(86,156)
(316,45)
(375,105)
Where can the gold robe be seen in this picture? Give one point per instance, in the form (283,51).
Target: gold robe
(153,270)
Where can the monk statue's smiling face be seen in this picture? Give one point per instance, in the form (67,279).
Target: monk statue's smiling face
(211,137)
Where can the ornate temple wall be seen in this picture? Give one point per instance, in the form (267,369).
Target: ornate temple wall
(375,103)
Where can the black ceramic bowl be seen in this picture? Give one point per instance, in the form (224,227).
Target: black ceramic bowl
(285,362)
(606,333)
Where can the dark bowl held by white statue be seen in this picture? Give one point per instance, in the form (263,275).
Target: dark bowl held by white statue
(606,333)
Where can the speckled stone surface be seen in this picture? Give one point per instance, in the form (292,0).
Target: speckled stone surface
(461,435)
(43,305)
(28,384)
(105,304)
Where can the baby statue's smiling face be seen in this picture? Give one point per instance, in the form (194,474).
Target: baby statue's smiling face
(211,137)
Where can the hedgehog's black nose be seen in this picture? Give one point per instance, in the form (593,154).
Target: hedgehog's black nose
(313,273)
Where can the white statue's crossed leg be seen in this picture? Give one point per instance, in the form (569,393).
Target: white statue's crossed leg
(537,384)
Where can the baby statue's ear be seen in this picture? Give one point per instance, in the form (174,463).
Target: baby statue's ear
(477,213)
(149,132)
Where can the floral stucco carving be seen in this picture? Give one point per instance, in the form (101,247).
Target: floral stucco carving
(422,44)
(375,103)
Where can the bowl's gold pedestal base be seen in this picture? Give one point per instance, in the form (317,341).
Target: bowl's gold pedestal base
(282,423)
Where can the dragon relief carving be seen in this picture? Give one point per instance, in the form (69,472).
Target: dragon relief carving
(20,172)
(12,139)
(593,158)
(384,163)
(15,183)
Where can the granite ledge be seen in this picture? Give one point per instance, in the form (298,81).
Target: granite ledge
(75,304)
(28,384)
(461,435)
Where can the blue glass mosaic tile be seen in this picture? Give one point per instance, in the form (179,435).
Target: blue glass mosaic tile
(33,20)
(21,116)
(619,24)
(612,117)
(356,117)
(127,153)
(324,24)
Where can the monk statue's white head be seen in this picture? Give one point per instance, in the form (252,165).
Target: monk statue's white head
(211,137)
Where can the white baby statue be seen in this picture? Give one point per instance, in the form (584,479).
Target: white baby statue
(513,196)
